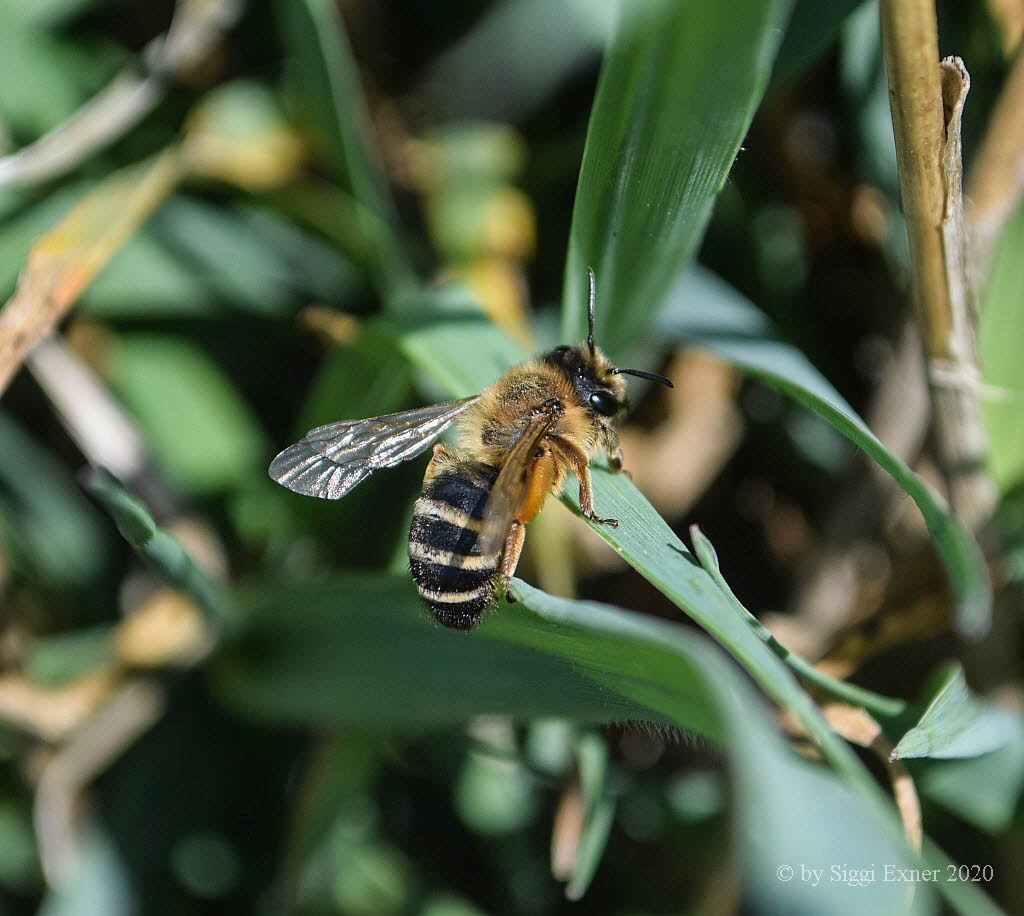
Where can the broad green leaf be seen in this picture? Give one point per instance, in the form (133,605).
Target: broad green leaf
(984,790)
(327,77)
(47,528)
(956,724)
(786,809)
(195,420)
(145,279)
(1001,328)
(704,310)
(222,250)
(677,91)
(360,650)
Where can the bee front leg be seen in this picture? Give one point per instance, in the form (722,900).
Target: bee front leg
(510,555)
(581,468)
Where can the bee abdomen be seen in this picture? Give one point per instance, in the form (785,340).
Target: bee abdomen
(455,580)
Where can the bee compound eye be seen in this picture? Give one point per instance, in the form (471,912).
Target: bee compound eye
(604,403)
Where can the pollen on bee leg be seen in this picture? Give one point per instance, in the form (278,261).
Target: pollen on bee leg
(510,555)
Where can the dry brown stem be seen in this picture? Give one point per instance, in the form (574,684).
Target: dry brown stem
(197,26)
(858,727)
(926,98)
(65,260)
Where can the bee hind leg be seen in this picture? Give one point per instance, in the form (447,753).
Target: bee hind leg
(510,555)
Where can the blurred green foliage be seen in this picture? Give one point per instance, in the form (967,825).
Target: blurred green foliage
(377,209)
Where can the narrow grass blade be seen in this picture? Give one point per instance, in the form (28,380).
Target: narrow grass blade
(156,546)
(704,310)
(329,80)
(786,809)
(677,91)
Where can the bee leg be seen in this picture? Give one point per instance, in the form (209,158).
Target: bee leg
(614,451)
(510,555)
(581,468)
(438,456)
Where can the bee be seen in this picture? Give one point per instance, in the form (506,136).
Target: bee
(516,440)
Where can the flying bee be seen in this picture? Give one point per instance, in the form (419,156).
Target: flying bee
(516,440)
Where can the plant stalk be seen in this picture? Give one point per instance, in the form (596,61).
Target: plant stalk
(926,98)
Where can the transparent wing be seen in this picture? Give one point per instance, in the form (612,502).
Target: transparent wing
(511,485)
(330,460)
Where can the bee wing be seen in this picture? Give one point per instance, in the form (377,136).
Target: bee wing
(511,484)
(330,460)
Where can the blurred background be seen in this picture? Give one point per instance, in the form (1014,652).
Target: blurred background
(143,767)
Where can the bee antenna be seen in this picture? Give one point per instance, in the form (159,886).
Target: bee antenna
(639,373)
(590,309)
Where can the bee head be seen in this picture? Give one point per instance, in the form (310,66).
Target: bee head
(595,379)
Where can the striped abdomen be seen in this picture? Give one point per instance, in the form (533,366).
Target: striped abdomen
(453,578)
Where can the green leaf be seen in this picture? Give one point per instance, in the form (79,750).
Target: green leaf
(328,80)
(456,343)
(1000,328)
(225,252)
(364,378)
(145,279)
(63,657)
(879,705)
(360,650)
(814,25)
(642,537)
(677,91)
(956,724)
(162,551)
(198,425)
(44,76)
(786,809)
(514,57)
(592,765)
(983,790)
(706,311)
